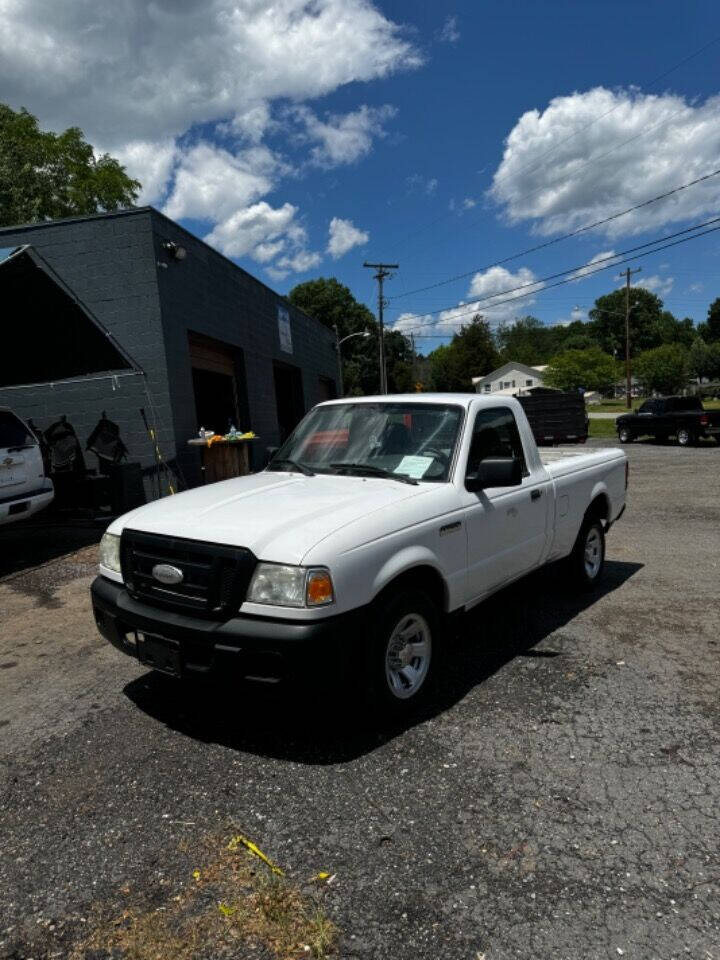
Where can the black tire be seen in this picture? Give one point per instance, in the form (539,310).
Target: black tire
(390,690)
(685,437)
(586,572)
(625,435)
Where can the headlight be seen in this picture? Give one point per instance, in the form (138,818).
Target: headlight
(285,586)
(110,552)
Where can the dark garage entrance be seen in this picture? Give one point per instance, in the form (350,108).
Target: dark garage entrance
(288,397)
(219,400)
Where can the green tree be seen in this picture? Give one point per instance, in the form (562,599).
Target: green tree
(704,360)
(470,353)
(664,369)
(608,321)
(710,330)
(589,369)
(333,304)
(44,175)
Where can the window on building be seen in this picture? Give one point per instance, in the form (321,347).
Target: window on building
(488,387)
(528,383)
(506,385)
(513,383)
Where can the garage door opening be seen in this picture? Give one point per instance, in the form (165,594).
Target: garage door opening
(288,398)
(218,384)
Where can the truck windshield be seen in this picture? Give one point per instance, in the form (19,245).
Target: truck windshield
(415,440)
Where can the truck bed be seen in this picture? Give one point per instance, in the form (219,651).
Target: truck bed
(564,460)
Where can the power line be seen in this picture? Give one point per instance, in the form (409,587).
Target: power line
(567,236)
(383,271)
(573,271)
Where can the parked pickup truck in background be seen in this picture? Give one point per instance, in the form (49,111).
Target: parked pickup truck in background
(662,417)
(376,519)
(24,488)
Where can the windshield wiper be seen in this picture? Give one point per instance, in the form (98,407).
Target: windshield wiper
(375,471)
(295,463)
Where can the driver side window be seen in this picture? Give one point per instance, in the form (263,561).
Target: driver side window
(495,434)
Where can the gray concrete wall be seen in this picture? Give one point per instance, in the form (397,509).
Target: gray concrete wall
(109,263)
(112,263)
(210,295)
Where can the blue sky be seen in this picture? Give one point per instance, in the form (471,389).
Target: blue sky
(301,138)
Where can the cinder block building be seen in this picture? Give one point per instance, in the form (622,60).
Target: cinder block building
(122,311)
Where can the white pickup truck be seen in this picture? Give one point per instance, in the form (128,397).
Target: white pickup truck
(378,517)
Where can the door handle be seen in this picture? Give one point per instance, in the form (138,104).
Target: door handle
(535,494)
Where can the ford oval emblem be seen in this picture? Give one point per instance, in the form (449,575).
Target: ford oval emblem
(166,573)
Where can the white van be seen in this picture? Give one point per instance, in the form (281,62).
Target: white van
(24,488)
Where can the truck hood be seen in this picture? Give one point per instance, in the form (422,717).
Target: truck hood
(278,516)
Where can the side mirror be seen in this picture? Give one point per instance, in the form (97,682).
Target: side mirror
(269,454)
(495,472)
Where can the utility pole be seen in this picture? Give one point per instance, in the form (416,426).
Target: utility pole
(383,271)
(628,379)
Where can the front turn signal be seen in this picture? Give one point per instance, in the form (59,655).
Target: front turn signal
(319,588)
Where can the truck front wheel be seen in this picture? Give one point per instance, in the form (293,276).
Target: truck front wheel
(625,435)
(588,556)
(405,650)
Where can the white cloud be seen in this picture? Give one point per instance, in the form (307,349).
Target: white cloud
(343,236)
(146,80)
(152,164)
(491,287)
(609,150)
(259,231)
(149,71)
(488,298)
(419,184)
(656,284)
(696,288)
(594,263)
(468,203)
(299,262)
(211,183)
(342,138)
(450,32)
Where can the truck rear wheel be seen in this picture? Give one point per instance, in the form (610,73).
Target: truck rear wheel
(587,559)
(405,650)
(684,437)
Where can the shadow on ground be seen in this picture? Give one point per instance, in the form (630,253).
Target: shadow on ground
(29,543)
(328,729)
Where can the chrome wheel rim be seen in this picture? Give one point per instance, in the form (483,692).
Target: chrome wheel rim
(407,656)
(683,437)
(593,553)
(624,436)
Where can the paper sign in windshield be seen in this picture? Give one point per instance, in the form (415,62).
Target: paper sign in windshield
(414,467)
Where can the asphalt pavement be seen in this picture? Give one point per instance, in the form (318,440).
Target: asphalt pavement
(558,800)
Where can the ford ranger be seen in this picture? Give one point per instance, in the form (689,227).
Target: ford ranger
(376,519)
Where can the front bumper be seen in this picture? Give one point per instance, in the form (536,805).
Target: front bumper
(256,649)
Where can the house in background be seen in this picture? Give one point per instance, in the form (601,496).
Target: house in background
(510,380)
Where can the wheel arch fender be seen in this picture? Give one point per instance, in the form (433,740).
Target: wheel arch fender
(419,567)
(600,507)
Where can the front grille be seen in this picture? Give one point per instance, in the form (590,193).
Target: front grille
(215,576)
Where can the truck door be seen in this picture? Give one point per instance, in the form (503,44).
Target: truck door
(506,527)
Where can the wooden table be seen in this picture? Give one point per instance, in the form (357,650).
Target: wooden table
(223,459)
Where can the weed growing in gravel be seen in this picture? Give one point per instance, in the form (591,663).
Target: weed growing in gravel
(231,902)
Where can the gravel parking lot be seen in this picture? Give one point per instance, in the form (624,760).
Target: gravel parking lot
(558,801)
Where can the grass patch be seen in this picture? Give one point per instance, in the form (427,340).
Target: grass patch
(232,902)
(602,428)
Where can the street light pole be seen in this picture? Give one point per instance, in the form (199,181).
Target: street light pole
(338,344)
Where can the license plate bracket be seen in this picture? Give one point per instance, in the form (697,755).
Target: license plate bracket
(159,653)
